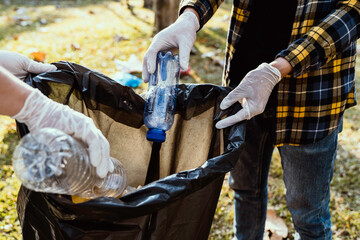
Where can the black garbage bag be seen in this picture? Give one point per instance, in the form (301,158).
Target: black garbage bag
(191,165)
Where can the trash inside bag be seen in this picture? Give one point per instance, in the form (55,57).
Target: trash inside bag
(181,179)
(127,79)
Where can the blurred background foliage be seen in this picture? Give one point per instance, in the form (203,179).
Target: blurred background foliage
(96,33)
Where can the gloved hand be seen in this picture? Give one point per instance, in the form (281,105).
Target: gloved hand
(181,34)
(19,65)
(40,112)
(253,93)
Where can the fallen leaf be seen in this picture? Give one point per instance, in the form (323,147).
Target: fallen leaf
(266,236)
(275,225)
(274,236)
(119,38)
(75,46)
(38,56)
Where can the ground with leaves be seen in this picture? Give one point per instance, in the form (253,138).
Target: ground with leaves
(95,34)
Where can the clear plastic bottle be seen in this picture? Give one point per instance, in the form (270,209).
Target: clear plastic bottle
(161,96)
(49,160)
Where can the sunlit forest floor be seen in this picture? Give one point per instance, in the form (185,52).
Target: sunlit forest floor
(96,34)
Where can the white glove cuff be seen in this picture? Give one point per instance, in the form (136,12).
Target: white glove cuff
(21,116)
(275,71)
(190,16)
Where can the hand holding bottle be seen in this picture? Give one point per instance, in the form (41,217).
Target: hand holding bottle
(31,107)
(40,112)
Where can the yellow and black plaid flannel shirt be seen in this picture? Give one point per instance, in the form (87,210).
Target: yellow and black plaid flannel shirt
(322,52)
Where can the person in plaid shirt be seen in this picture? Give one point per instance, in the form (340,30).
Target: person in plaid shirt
(293,73)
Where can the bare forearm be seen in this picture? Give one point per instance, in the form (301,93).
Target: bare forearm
(282,65)
(13,93)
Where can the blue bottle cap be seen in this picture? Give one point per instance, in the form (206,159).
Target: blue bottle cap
(156,135)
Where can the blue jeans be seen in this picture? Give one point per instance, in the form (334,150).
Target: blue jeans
(307,171)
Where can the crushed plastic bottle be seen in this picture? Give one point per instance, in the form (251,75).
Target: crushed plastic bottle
(161,96)
(49,160)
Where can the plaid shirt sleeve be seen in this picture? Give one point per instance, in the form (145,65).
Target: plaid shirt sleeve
(324,40)
(205,8)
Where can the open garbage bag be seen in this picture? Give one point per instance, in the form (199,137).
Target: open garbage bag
(192,164)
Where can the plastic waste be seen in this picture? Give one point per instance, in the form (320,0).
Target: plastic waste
(185,197)
(161,96)
(127,79)
(49,160)
(133,64)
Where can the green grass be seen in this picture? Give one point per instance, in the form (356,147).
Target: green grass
(92,25)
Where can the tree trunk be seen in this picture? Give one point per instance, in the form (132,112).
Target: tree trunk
(148,4)
(166,12)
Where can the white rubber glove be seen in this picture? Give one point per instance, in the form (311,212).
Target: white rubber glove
(253,93)
(40,112)
(181,34)
(20,65)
